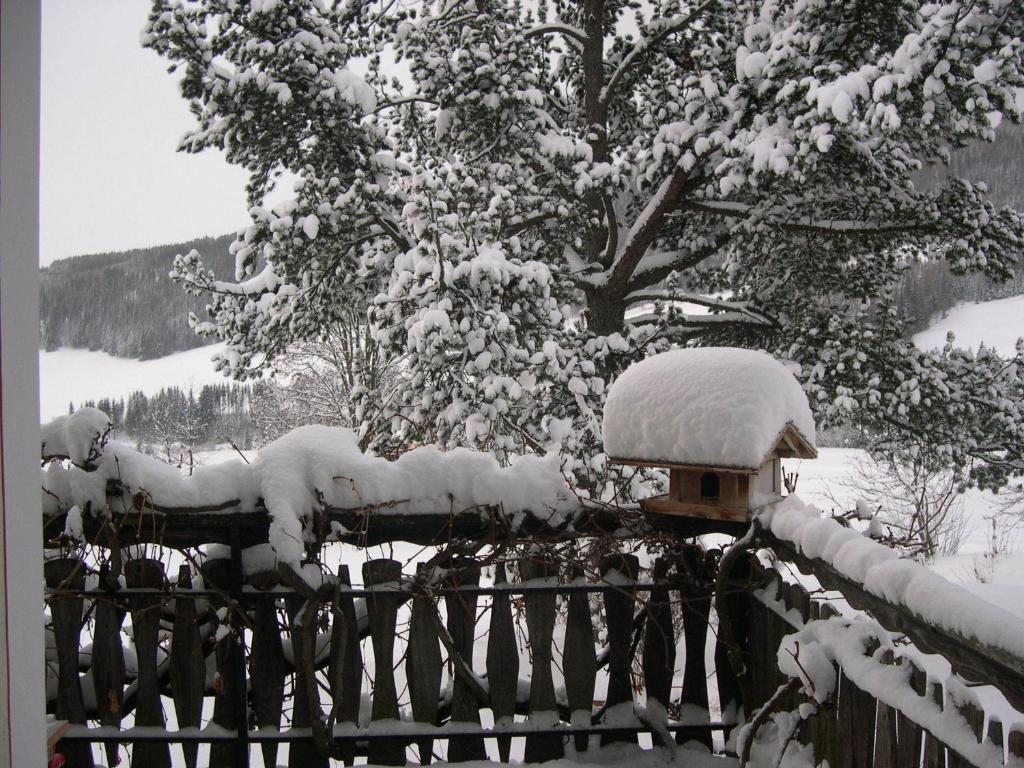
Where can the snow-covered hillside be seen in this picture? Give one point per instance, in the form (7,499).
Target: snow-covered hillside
(997,324)
(75,375)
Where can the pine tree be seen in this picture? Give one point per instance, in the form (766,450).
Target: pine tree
(554,191)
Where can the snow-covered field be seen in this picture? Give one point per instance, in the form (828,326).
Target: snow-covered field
(996,324)
(75,375)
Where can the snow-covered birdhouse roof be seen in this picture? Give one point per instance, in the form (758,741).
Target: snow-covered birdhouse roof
(707,407)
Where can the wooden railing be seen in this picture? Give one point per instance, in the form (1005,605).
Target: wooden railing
(497,640)
(543,649)
(937,720)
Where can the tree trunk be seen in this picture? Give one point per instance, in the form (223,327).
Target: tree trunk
(605,311)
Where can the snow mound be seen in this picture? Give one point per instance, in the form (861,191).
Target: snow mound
(709,406)
(75,436)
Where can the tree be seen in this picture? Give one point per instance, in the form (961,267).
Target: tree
(315,380)
(532,196)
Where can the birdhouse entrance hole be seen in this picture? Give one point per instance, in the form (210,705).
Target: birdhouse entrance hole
(710,485)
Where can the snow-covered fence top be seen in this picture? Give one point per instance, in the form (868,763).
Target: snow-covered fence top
(982,641)
(721,407)
(308,469)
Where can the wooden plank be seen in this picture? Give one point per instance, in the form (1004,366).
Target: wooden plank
(503,662)
(621,571)
(934,749)
(968,708)
(665,506)
(107,669)
(187,669)
(540,625)
(845,724)
(146,634)
(267,666)
(994,733)
(886,744)
(826,721)
(695,594)
(659,648)
(1015,741)
(423,667)
(346,672)
(733,602)
(216,575)
(382,608)
(66,613)
(461,622)
(302,754)
(862,743)
(910,733)
(691,467)
(763,639)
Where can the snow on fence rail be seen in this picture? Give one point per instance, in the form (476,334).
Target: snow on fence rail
(257,644)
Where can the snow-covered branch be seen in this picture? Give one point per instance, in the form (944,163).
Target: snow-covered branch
(660,30)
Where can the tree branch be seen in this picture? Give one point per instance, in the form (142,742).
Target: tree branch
(666,29)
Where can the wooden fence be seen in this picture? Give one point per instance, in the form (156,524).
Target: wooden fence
(545,651)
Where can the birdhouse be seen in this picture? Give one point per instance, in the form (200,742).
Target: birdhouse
(719,420)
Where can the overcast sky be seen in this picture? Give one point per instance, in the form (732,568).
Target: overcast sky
(111,118)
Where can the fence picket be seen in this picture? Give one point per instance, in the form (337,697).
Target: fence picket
(695,593)
(862,742)
(579,658)
(461,610)
(975,717)
(268,669)
(659,650)
(621,572)
(187,666)
(503,661)
(382,608)
(736,606)
(886,744)
(909,733)
(934,750)
(346,668)
(107,670)
(1015,741)
(826,720)
(540,625)
(147,573)
(994,733)
(66,612)
(423,667)
(227,685)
